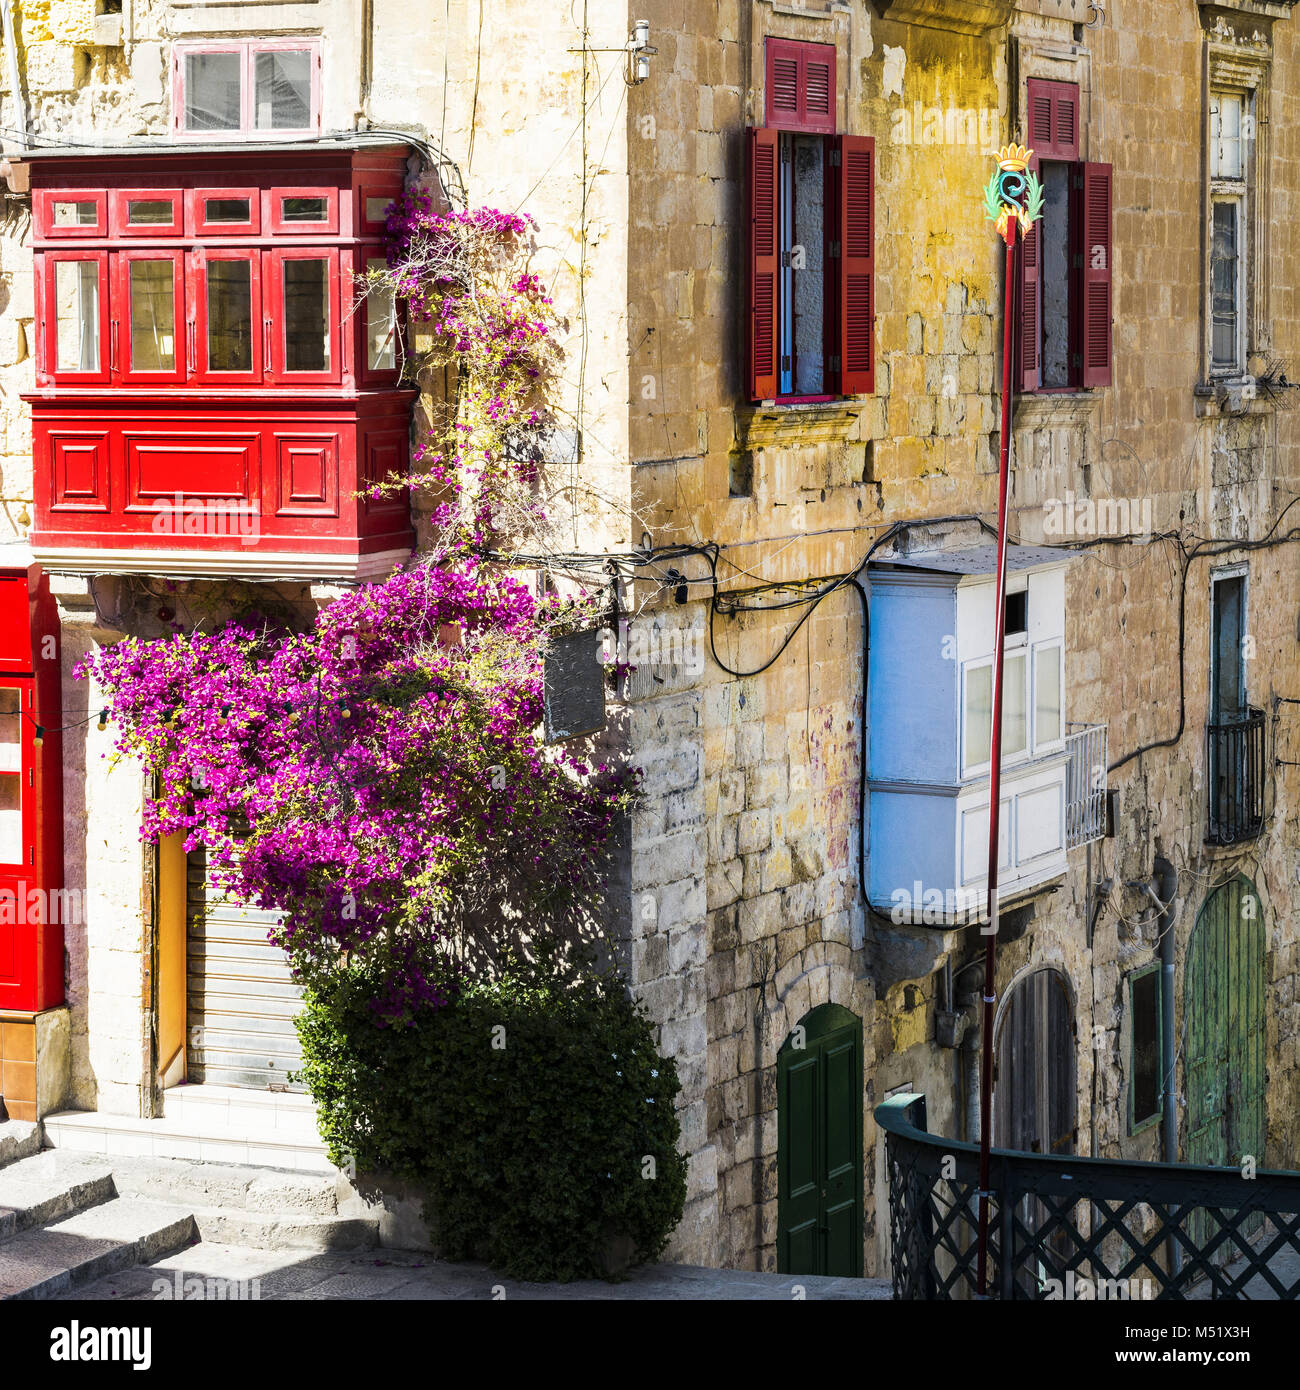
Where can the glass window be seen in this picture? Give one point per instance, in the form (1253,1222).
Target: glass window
(76,311)
(1226,137)
(1015,722)
(230,316)
(1047,695)
(306,315)
(1144,1079)
(11,790)
(381,326)
(153,316)
(149,212)
(979,710)
(212,91)
(219,210)
(282,89)
(304,209)
(1225,281)
(377,209)
(979,714)
(75,214)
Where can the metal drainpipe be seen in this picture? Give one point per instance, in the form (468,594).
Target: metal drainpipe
(1166,879)
(11,61)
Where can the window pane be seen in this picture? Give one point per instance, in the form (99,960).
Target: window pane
(153,317)
(1146,1047)
(1014,723)
(11,806)
(212,91)
(1226,137)
(808,272)
(230,316)
(979,714)
(381,326)
(1047,695)
(304,209)
(1225,282)
(75,215)
(76,294)
(217,210)
(306,316)
(377,209)
(149,212)
(282,90)
(1055,275)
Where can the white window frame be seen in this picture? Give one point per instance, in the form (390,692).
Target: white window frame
(1050,745)
(1235,190)
(1023,755)
(248,51)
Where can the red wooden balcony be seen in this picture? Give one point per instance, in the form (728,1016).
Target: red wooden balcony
(209,398)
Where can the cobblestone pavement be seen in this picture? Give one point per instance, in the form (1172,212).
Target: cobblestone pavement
(400,1274)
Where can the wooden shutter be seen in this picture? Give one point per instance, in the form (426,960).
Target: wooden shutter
(800,92)
(1028,375)
(1052,124)
(855,233)
(763,260)
(1094,313)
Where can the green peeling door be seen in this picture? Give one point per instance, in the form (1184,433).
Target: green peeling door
(1224,1021)
(819,1145)
(1225,1028)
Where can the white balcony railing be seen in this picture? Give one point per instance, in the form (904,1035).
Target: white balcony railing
(1085,784)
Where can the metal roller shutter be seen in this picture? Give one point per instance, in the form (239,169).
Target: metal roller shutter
(241,997)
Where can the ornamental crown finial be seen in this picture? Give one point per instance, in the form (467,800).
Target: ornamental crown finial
(1014,158)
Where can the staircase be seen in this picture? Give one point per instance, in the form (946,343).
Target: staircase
(69,1217)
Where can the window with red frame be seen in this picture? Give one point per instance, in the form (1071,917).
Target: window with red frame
(810,263)
(246,86)
(1065,262)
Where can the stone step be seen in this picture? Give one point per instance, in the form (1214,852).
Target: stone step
(227,1110)
(124,1136)
(48,1187)
(264,1191)
(266,1231)
(18,1139)
(115,1235)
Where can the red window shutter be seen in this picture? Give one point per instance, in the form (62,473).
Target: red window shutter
(800,91)
(1052,126)
(763,253)
(1029,375)
(1095,310)
(857,263)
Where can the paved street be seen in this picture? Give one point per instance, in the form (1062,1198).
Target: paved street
(399,1274)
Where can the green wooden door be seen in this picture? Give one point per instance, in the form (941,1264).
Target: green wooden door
(1225,1028)
(1224,1021)
(819,1145)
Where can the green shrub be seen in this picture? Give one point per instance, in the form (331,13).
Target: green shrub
(533,1110)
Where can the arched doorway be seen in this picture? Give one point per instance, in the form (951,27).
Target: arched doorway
(1035,1097)
(1223,1018)
(819,1145)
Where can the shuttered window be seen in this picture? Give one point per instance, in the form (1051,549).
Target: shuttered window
(810,232)
(1064,273)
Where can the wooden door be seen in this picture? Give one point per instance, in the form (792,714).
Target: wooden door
(819,1145)
(1224,1026)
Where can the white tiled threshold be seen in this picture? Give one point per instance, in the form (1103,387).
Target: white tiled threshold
(210,1124)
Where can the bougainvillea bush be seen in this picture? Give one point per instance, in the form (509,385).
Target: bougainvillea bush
(378,780)
(479,309)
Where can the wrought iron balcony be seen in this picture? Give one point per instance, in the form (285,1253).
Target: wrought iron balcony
(1234,762)
(1085,784)
(1055,1222)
